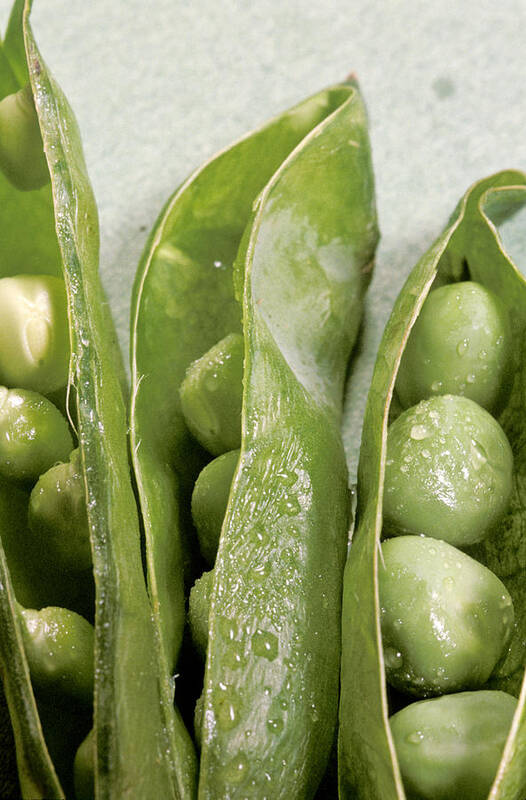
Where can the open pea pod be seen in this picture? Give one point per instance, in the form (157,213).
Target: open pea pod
(469,248)
(292,204)
(54,230)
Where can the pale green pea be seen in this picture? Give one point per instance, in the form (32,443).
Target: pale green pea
(446,619)
(211,396)
(209,501)
(34,334)
(84,768)
(460,344)
(449,747)
(33,435)
(449,471)
(22,158)
(199,610)
(58,518)
(59,648)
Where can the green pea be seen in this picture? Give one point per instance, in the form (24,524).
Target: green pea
(57,516)
(34,335)
(22,158)
(446,619)
(460,344)
(33,435)
(211,396)
(448,471)
(84,768)
(210,499)
(199,609)
(449,747)
(59,648)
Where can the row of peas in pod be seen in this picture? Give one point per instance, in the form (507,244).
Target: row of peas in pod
(211,401)
(249,297)
(42,496)
(446,619)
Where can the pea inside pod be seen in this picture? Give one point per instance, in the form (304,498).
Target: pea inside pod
(461,344)
(56,330)
(448,472)
(280,260)
(450,747)
(211,396)
(382,760)
(33,435)
(22,157)
(445,618)
(210,500)
(57,516)
(59,649)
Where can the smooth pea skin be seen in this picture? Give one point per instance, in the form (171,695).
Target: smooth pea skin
(446,619)
(33,435)
(199,610)
(59,648)
(84,768)
(34,335)
(209,502)
(22,158)
(461,344)
(57,516)
(448,471)
(449,748)
(211,396)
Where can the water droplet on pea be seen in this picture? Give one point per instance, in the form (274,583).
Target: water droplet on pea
(462,347)
(436,386)
(415,737)
(419,432)
(226,707)
(261,571)
(235,771)
(393,658)
(265,644)
(275,724)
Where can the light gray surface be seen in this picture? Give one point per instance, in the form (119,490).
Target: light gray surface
(157,87)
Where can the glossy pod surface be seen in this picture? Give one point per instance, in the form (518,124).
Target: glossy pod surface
(292,205)
(470,249)
(54,230)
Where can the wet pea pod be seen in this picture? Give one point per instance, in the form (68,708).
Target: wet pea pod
(272,242)
(58,338)
(467,263)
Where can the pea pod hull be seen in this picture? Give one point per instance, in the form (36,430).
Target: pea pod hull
(274,238)
(469,248)
(55,230)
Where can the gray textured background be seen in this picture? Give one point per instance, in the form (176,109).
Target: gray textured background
(157,87)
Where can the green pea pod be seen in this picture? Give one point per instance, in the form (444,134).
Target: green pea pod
(470,248)
(55,230)
(292,205)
